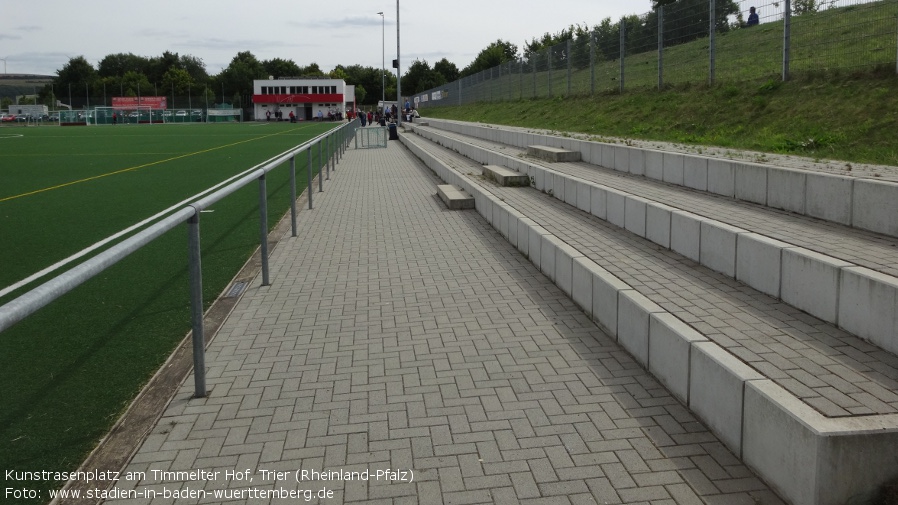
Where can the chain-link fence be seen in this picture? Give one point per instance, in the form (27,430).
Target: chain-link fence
(695,41)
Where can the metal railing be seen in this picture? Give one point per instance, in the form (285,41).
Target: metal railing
(330,145)
(693,41)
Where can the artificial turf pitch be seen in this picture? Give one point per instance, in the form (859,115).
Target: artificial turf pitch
(68,371)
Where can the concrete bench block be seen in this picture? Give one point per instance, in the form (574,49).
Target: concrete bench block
(786,189)
(559,185)
(539,178)
(454,197)
(584,196)
(759,262)
(553,154)
(654,165)
(583,270)
(504,176)
(547,255)
(598,202)
(812,460)
(695,172)
(608,154)
(721,177)
(635,214)
(751,182)
(673,168)
(548,181)
(595,153)
(622,158)
(876,206)
(605,290)
(657,223)
(500,218)
(616,205)
(565,255)
(670,347)
(524,226)
(636,162)
(716,388)
(810,282)
(513,217)
(535,245)
(570,191)
(686,234)
(829,197)
(633,315)
(868,306)
(718,246)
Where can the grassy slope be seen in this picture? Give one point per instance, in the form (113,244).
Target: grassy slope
(840,114)
(851,118)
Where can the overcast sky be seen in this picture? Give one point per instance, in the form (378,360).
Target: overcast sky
(39,37)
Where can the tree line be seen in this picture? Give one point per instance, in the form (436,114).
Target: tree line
(177,75)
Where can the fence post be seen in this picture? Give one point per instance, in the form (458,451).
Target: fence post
(660,46)
(592,63)
(327,159)
(568,55)
(320,174)
(293,195)
(263,227)
(534,78)
(196,305)
(549,57)
(623,51)
(787,39)
(522,78)
(712,41)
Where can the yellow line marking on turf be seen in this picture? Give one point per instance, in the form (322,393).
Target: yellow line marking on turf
(138,167)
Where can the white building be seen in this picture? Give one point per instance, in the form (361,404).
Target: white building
(305,97)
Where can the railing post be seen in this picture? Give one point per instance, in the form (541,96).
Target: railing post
(327,154)
(320,174)
(311,178)
(787,39)
(293,195)
(333,150)
(592,63)
(196,304)
(549,56)
(263,227)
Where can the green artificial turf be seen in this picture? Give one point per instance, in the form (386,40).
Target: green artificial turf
(68,371)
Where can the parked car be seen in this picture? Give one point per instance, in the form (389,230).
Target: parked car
(8,118)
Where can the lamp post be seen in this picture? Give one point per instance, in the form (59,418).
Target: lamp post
(383,59)
(398,73)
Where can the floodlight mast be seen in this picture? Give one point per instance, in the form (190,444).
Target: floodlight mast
(383,60)
(398,73)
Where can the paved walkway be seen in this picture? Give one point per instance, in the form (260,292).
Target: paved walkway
(399,335)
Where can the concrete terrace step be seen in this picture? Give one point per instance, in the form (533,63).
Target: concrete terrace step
(455,198)
(842,275)
(811,408)
(553,154)
(504,176)
(864,199)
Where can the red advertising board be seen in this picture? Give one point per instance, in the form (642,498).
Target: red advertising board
(131,102)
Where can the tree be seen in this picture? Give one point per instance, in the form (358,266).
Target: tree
(360,94)
(75,77)
(279,67)
(447,69)
(420,77)
(238,77)
(177,79)
(115,65)
(493,55)
(313,70)
(800,7)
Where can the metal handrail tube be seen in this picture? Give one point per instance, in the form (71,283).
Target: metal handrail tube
(37,298)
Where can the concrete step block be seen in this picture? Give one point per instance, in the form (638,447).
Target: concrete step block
(670,349)
(505,177)
(455,198)
(553,154)
(634,312)
(810,282)
(868,306)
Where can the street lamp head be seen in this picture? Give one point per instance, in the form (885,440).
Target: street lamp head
(380,13)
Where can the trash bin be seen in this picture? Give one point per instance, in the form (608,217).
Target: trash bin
(394,133)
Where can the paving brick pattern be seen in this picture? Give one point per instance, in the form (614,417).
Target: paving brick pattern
(397,334)
(872,250)
(831,370)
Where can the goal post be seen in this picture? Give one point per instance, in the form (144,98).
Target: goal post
(135,114)
(224,116)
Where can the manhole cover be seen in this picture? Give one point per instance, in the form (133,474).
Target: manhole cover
(236,289)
